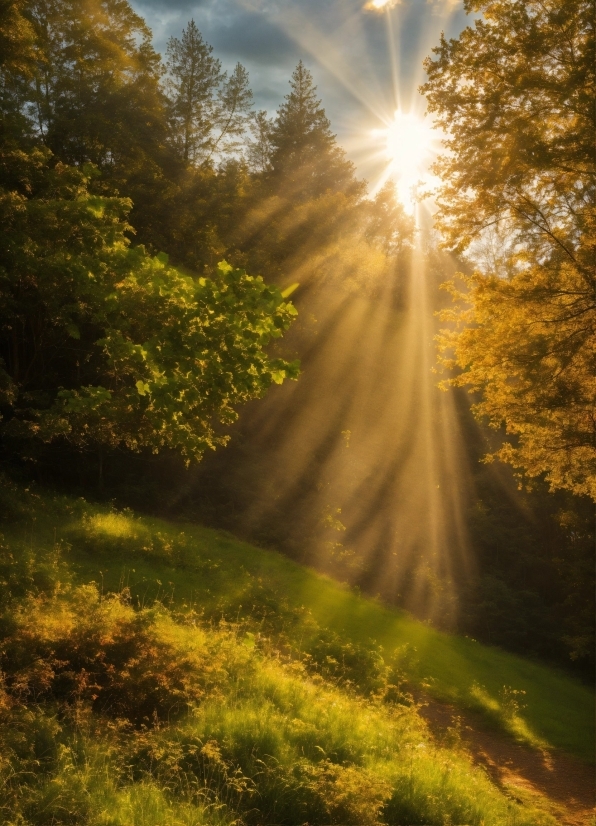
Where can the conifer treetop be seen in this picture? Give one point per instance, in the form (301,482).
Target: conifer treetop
(305,152)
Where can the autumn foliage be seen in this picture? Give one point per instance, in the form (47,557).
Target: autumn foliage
(514,95)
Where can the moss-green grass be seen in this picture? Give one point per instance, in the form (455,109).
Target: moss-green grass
(190,566)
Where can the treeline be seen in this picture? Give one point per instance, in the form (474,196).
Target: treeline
(125,179)
(208,176)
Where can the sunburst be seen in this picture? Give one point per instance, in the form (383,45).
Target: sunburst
(410,146)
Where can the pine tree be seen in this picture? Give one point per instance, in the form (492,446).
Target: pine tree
(305,159)
(233,113)
(210,111)
(258,152)
(194,78)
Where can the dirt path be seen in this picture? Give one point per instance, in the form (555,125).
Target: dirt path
(557,782)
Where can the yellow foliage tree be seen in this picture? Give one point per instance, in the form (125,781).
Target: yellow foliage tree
(515,95)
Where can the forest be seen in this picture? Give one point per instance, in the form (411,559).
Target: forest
(298,476)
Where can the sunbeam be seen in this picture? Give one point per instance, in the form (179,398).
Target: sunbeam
(359,469)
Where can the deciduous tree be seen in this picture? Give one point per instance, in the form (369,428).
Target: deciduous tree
(95,93)
(515,96)
(102,344)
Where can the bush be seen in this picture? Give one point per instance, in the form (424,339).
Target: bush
(79,648)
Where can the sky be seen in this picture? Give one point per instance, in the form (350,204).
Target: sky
(366,62)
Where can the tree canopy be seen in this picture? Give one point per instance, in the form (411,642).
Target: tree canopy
(106,343)
(514,95)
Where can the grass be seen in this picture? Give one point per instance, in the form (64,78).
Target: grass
(195,566)
(205,681)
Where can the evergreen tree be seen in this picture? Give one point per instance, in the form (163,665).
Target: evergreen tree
(259,149)
(210,111)
(305,159)
(233,113)
(194,78)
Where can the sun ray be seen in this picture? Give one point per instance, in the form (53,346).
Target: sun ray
(394,53)
(326,51)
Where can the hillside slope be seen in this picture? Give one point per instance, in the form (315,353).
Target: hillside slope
(202,680)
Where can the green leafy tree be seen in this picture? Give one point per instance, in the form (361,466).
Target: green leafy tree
(102,344)
(16,66)
(95,96)
(515,96)
(83,79)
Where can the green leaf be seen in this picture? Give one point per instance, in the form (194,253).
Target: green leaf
(289,290)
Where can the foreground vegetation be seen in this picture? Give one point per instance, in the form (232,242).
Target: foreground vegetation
(201,680)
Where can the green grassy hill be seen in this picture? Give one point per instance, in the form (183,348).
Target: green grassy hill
(159,673)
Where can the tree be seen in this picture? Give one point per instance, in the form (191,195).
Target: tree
(86,84)
(16,66)
(103,345)
(83,79)
(514,95)
(233,116)
(95,95)
(388,223)
(194,78)
(259,149)
(305,158)
(209,111)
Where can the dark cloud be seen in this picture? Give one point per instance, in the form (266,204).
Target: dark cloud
(253,37)
(147,6)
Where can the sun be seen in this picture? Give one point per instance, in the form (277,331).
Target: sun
(377,5)
(410,147)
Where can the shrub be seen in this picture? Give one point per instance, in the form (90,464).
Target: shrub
(78,647)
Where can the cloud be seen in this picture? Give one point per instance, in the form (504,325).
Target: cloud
(175,6)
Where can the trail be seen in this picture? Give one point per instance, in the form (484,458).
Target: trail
(554,781)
